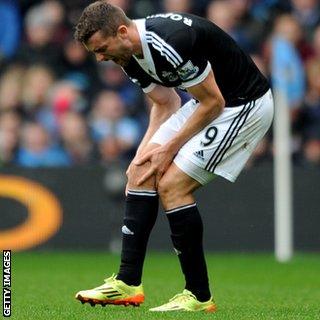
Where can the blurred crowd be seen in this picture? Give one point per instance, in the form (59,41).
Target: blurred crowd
(58,107)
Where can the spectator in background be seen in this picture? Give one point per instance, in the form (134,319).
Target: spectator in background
(10,25)
(11,83)
(62,97)
(221,13)
(37,81)
(110,150)
(224,15)
(37,149)
(310,114)
(55,13)
(250,31)
(60,79)
(266,10)
(115,133)
(10,123)
(75,139)
(113,78)
(38,47)
(75,62)
(287,70)
(66,96)
(307,13)
(177,5)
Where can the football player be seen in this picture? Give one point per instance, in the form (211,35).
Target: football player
(185,147)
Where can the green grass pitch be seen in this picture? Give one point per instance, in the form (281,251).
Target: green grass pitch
(246,286)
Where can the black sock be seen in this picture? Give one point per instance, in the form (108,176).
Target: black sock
(186,233)
(140,215)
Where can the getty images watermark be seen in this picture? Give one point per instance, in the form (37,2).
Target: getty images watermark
(6,278)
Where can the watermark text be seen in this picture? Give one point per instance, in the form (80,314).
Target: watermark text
(6,283)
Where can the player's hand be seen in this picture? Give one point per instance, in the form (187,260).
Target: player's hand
(160,159)
(128,173)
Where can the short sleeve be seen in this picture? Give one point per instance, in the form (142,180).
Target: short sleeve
(193,67)
(139,77)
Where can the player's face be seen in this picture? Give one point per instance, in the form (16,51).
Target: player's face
(116,48)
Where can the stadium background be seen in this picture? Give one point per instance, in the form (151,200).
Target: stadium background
(69,127)
(61,112)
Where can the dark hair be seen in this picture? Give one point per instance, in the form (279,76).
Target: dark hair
(100,15)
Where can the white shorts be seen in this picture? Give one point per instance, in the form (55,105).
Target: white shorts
(222,147)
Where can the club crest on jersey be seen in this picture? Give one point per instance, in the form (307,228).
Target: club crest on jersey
(187,71)
(170,76)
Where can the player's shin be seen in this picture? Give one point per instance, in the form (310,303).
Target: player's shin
(140,215)
(187,233)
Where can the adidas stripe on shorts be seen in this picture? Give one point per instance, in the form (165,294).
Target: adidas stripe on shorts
(222,147)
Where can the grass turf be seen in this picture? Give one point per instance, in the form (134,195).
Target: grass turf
(245,286)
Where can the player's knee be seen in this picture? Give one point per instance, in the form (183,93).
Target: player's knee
(135,173)
(167,188)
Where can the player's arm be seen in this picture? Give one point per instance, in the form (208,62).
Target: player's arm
(165,101)
(211,105)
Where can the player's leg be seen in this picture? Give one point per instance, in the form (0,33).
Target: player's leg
(176,192)
(140,215)
(141,210)
(221,148)
(183,215)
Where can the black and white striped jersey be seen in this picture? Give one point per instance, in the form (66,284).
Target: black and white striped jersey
(179,50)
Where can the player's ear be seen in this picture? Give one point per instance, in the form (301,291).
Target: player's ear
(122,31)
